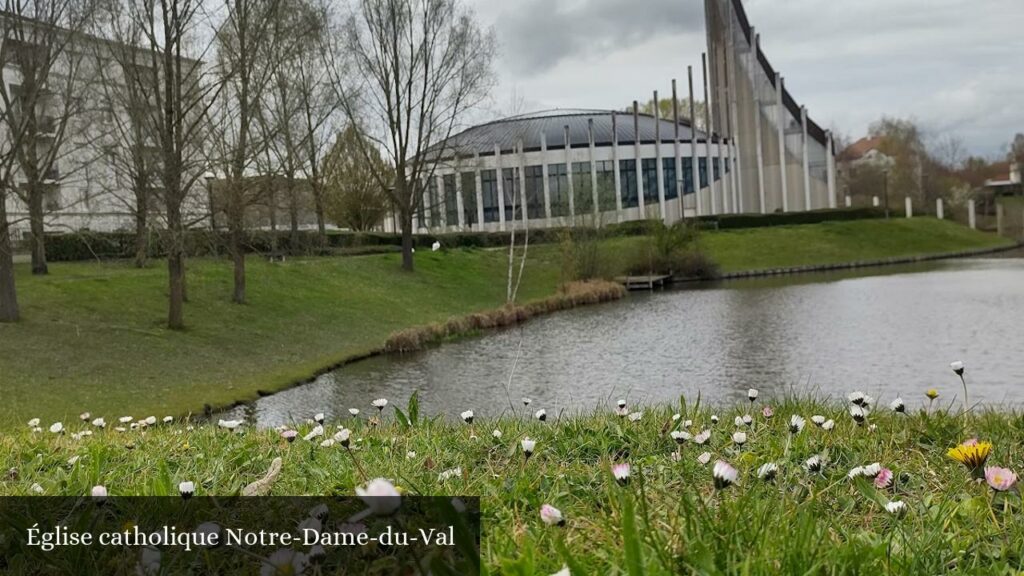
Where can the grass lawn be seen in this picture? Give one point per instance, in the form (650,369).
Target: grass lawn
(93,335)
(668,519)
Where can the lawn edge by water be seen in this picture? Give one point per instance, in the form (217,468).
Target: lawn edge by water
(118,309)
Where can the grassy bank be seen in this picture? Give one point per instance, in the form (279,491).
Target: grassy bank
(668,519)
(828,243)
(93,337)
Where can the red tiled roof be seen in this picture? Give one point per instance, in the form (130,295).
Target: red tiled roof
(859,148)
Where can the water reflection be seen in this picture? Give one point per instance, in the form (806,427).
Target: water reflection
(888,331)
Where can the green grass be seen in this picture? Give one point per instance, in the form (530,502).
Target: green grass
(93,335)
(835,242)
(668,520)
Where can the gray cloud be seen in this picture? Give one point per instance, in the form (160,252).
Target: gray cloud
(537,35)
(954,65)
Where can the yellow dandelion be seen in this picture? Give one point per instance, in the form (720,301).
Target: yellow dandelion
(932,393)
(971,454)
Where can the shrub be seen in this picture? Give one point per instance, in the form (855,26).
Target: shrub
(569,295)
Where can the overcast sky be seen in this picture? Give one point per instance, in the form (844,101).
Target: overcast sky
(956,66)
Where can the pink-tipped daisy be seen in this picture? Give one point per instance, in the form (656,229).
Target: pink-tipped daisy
(1000,479)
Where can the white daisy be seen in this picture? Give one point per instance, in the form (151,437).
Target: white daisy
(551,516)
(703,437)
(896,508)
(796,423)
(724,474)
(768,471)
(621,473)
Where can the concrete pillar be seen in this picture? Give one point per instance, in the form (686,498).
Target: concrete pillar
(524,208)
(779,90)
(615,161)
(830,171)
(658,170)
(806,159)
(709,123)
(849,201)
(909,207)
(593,173)
(677,150)
(874,201)
(501,187)
(479,192)
(736,168)
(757,127)
(728,202)
(695,166)
(940,212)
(639,165)
(544,173)
(972,219)
(568,171)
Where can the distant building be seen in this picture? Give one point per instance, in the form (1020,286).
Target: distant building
(866,151)
(1006,179)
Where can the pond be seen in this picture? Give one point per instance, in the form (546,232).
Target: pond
(886,331)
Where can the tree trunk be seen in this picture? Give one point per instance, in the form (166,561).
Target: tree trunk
(321,226)
(407,262)
(37,227)
(8,294)
(238,257)
(141,236)
(175,270)
(293,215)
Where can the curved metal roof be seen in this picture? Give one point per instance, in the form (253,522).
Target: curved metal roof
(528,128)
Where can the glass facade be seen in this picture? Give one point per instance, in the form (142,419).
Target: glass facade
(627,182)
(513,196)
(469,198)
(526,191)
(433,203)
(451,201)
(534,192)
(606,184)
(489,188)
(649,166)
(582,187)
(558,188)
(671,182)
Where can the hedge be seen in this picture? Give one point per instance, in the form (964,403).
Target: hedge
(88,245)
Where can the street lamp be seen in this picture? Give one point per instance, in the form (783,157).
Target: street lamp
(209,177)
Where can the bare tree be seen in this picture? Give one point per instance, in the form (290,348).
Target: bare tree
(247,59)
(302,109)
(417,66)
(172,61)
(43,103)
(130,149)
